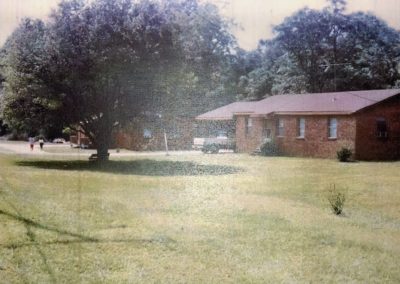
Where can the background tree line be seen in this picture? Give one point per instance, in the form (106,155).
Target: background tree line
(323,51)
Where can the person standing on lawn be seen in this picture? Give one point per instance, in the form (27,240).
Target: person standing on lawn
(31,142)
(41,143)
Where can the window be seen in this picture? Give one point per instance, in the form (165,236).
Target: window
(147,133)
(381,128)
(301,127)
(280,125)
(249,124)
(332,128)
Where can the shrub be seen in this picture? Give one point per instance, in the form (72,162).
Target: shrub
(67,131)
(210,148)
(269,149)
(17,135)
(336,199)
(344,154)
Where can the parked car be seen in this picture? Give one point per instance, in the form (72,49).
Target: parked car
(59,140)
(213,145)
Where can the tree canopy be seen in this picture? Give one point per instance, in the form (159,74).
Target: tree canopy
(326,50)
(95,65)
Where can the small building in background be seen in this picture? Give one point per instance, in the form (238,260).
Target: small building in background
(79,139)
(149,131)
(145,132)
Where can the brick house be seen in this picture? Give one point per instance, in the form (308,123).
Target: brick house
(318,125)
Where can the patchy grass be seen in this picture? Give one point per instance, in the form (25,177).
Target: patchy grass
(212,218)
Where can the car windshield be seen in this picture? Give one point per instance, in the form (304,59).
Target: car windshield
(222,134)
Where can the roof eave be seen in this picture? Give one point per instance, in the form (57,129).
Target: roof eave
(214,118)
(378,102)
(313,112)
(243,113)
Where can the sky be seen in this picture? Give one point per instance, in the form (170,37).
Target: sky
(254,18)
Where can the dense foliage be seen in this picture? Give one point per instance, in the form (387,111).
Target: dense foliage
(344,154)
(269,148)
(96,65)
(328,50)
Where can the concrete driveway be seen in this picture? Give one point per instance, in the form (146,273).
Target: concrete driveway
(51,149)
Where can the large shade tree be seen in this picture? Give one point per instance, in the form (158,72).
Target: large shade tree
(95,64)
(326,50)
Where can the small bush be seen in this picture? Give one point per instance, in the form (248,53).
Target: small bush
(210,148)
(336,199)
(16,135)
(344,154)
(269,149)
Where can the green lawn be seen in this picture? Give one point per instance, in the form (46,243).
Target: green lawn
(197,219)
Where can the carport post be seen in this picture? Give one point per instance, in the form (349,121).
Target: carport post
(165,134)
(166,142)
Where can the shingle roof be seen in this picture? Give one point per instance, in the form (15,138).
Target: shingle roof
(226,112)
(320,103)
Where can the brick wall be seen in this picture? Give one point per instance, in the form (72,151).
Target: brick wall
(314,144)
(180,134)
(371,147)
(248,141)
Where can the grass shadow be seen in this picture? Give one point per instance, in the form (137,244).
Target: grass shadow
(37,225)
(144,167)
(77,238)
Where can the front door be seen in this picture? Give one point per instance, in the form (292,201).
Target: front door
(267,133)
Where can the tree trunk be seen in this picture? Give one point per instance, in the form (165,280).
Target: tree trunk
(102,152)
(102,143)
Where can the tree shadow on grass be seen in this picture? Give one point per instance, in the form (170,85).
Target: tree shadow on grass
(144,167)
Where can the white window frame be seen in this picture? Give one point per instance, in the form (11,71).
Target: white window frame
(301,127)
(249,124)
(332,127)
(381,121)
(281,127)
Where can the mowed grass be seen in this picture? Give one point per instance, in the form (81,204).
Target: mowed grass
(198,219)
